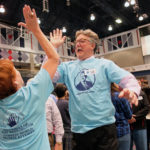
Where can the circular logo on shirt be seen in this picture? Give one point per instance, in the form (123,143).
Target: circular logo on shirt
(85,79)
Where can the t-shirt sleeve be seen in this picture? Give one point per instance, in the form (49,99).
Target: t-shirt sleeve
(114,72)
(40,86)
(61,73)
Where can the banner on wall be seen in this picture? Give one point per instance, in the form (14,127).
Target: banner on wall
(11,37)
(16,56)
(119,42)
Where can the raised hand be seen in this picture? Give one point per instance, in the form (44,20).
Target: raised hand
(130,95)
(31,22)
(56,38)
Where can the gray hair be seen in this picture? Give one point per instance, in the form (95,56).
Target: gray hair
(91,34)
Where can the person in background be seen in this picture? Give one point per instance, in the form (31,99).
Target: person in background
(122,114)
(147,92)
(54,122)
(67,95)
(62,104)
(22,108)
(138,122)
(54,97)
(90,106)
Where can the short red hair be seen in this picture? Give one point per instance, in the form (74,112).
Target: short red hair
(7,75)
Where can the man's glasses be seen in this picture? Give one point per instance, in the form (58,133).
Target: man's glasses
(81,41)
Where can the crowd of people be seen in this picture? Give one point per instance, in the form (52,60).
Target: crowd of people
(93,118)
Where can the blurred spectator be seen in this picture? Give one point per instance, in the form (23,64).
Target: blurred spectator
(62,103)
(138,122)
(122,114)
(54,120)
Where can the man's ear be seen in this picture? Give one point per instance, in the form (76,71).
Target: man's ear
(94,45)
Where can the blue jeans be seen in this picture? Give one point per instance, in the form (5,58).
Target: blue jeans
(124,142)
(139,137)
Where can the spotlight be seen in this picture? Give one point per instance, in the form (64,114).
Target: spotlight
(64,30)
(92,17)
(141,18)
(110,28)
(39,21)
(118,21)
(2,9)
(132,2)
(126,4)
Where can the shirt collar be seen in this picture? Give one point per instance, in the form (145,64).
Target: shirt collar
(87,58)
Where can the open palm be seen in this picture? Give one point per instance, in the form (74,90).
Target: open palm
(56,38)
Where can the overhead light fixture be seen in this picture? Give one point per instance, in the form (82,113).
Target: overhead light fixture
(129,2)
(2,9)
(110,28)
(126,4)
(141,18)
(132,2)
(118,20)
(92,17)
(64,30)
(39,21)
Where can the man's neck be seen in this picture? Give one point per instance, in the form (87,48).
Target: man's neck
(87,58)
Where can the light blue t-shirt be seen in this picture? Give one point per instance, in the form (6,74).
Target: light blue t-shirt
(88,83)
(22,116)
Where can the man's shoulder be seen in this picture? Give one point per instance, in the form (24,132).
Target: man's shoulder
(50,100)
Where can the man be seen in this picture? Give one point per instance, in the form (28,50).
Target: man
(22,109)
(138,122)
(91,109)
(62,104)
(54,122)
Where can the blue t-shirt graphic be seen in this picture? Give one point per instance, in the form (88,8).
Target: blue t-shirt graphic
(82,82)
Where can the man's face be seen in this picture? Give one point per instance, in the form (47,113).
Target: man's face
(82,76)
(84,47)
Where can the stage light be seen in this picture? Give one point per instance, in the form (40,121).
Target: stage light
(141,18)
(92,17)
(64,30)
(39,21)
(126,4)
(118,20)
(110,28)
(2,9)
(132,2)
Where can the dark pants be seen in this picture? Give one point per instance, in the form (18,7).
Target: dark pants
(67,141)
(101,138)
(148,133)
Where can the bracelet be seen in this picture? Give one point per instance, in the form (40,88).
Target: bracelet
(59,143)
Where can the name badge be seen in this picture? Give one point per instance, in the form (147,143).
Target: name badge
(90,71)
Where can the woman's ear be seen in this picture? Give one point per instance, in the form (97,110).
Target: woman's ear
(16,84)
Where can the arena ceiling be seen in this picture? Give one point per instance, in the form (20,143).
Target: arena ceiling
(74,15)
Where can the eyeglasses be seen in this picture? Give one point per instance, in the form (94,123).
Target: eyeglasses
(82,41)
